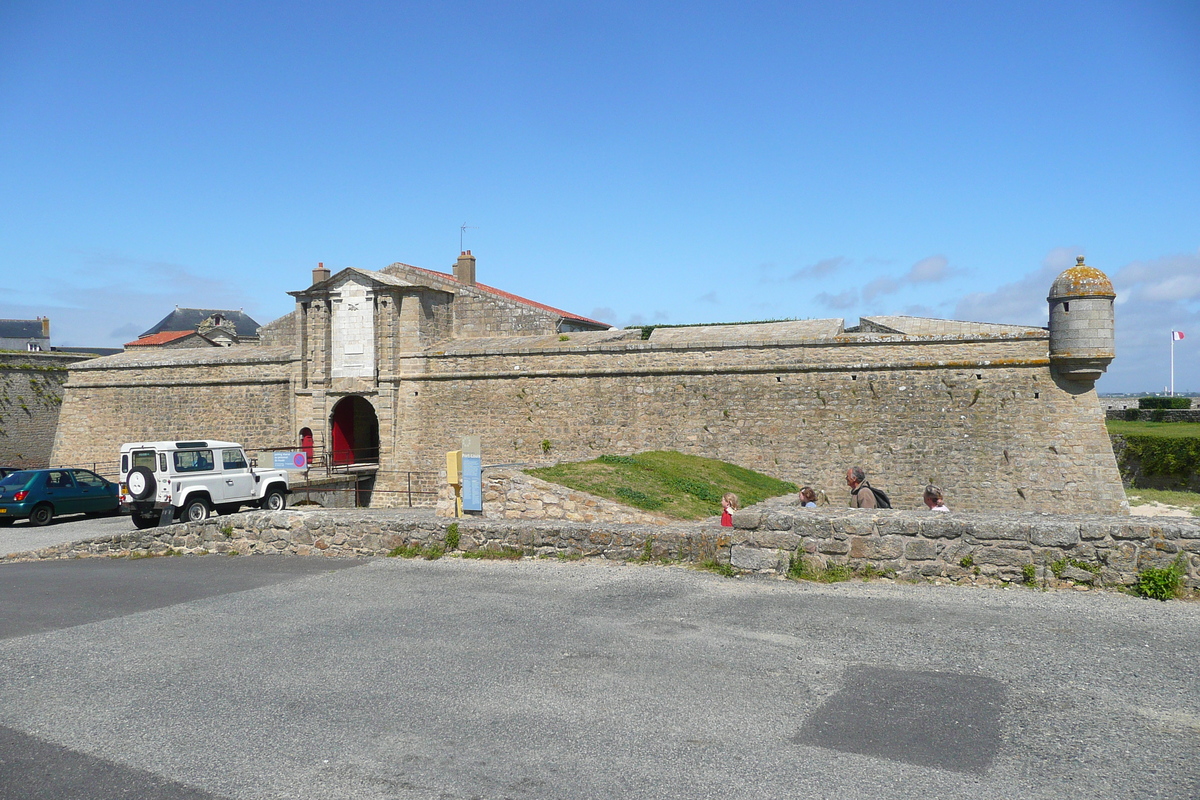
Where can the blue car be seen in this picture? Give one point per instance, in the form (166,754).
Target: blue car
(40,495)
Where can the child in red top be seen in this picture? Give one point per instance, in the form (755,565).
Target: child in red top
(729,504)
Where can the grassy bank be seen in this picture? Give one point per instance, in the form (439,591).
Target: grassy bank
(666,482)
(1168,430)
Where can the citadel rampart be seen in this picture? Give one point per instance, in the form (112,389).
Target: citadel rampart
(30,396)
(389,370)
(983,418)
(240,394)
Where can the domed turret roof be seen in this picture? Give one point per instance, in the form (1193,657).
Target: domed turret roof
(1081,281)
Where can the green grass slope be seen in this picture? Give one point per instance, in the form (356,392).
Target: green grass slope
(1168,430)
(666,482)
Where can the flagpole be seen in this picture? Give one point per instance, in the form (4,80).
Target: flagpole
(1172,363)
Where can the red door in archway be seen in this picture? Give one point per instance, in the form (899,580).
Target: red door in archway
(355,432)
(306,443)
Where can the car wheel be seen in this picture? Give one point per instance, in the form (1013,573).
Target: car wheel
(195,511)
(274,501)
(141,522)
(41,515)
(141,483)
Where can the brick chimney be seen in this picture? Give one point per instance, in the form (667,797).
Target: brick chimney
(320,273)
(464,268)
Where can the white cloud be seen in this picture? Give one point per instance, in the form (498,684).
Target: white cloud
(882,285)
(842,300)
(826,266)
(929,270)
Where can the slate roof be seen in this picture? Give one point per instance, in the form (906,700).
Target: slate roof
(189,319)
(21,329)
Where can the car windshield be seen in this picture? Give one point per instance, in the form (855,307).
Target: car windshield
(17,478)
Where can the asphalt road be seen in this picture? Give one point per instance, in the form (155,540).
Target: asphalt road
(258,677)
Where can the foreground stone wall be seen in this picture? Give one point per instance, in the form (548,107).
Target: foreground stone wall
(1108,550)
(1088,550)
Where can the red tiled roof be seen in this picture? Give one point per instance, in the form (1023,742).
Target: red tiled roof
(513,297)
(159,338)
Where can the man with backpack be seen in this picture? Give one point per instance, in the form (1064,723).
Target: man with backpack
(863,494)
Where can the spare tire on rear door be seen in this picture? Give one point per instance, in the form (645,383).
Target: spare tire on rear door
(141,483)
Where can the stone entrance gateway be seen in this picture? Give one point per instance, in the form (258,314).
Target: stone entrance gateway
(355,432)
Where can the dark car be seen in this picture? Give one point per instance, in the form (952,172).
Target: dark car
(41,494)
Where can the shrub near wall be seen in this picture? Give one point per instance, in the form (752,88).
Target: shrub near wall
(1158,462)
(1164,402)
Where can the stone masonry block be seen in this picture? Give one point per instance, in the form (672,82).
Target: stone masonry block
(747,520)
(777,522)
(920,550)
(1002,557)
(1055,534)
(755,558)
(1006,529)
(1092,530)
(777,540)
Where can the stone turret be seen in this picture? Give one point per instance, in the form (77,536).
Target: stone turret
(1081,323)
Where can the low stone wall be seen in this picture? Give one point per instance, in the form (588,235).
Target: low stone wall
(1085,550)
(508,493)
(1101,550)
(376,532)
(1154,414)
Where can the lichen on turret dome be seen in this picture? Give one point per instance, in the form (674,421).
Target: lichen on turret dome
(1081,281)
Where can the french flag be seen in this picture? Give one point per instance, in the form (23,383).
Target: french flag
(1176,336)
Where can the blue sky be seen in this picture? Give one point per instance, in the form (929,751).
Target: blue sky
(635,162)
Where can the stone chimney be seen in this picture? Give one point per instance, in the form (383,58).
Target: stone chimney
(320,273)
(464,268)
(45,327)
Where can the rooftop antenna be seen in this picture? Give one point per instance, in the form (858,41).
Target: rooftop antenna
(461,230)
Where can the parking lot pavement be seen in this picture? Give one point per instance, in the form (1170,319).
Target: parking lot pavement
(21,537)
(456,678)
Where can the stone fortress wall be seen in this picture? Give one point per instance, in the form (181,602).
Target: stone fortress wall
(985,411)
(31,390)
(239,394)
(984,418)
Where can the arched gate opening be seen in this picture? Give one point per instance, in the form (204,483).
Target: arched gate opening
(355,432)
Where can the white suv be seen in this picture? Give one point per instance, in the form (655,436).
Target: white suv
(161,481)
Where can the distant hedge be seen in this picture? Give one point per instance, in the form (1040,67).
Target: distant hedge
(1164,402)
